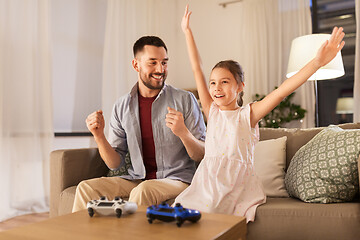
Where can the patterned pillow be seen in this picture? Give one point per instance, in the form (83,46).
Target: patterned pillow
(325,169)
(123,170)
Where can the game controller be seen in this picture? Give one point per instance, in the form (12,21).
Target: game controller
(166,213)
(115,207)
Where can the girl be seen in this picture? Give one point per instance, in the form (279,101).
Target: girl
(225,181)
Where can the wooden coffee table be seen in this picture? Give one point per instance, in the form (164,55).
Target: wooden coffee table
(134,226)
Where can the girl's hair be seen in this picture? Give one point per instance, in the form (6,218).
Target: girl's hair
(236,70)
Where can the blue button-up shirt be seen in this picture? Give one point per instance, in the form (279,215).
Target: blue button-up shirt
(171,157)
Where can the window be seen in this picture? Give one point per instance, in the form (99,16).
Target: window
(325,15)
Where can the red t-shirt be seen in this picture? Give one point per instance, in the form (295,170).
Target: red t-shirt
(147,138)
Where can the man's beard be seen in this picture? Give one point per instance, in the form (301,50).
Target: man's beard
(149,83)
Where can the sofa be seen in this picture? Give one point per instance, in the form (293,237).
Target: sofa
(282,217)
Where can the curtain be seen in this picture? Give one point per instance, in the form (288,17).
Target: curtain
(126,21)
(267,29)
(119,35)
(25,107)
(357,67)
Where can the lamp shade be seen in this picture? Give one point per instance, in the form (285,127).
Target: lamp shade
(304,49)
(345,105)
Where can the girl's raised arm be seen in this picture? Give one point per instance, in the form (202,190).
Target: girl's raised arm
(325,54)
(196,65)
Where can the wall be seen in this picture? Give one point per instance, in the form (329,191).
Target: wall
(214,31)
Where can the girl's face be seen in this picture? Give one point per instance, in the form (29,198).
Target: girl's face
(224,89)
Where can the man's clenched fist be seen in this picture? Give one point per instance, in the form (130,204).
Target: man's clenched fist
(95,123)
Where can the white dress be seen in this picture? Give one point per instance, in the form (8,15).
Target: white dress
(225,181)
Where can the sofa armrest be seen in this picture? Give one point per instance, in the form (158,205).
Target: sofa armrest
(68,167)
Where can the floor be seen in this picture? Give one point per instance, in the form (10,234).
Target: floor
(23,220)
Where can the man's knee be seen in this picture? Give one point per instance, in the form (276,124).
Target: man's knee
(81,196)
(90,189)
(80,187)
(144,188)
(146,194)
(83,186)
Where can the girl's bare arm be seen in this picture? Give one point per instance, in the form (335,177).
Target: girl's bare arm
(196,64)
(325,54)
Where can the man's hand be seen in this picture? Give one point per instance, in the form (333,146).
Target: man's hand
(175,121)
(95,123)
(194,147)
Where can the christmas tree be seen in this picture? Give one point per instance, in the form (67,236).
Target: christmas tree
(285,112)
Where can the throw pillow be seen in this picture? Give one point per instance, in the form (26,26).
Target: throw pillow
(270,163)
(123,170)
(325,169)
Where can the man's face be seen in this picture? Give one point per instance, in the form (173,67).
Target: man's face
(151,63)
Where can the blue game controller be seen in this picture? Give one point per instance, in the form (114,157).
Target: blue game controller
(166,213)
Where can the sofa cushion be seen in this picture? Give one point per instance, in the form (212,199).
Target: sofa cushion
(270,161)
(290,218)
(325,169)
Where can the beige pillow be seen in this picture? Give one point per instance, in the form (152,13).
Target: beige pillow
(270,163)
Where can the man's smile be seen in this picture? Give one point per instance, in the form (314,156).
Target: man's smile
(157,77)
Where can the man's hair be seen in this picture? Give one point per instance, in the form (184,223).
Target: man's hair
(147,40)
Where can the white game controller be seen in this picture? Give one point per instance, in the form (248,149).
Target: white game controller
(115,207)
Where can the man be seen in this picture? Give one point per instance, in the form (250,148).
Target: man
(160,126)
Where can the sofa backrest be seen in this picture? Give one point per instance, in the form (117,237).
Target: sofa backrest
(297,137)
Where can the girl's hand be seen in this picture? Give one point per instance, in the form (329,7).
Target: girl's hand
(185,20)
(331,47)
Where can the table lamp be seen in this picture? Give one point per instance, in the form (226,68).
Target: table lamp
(345,105)
(305,48)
